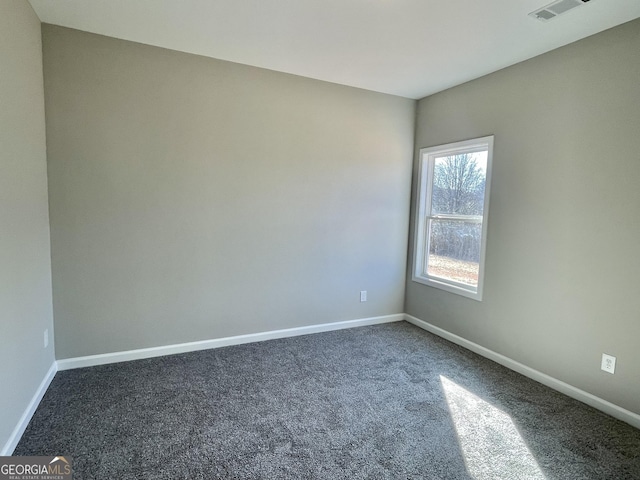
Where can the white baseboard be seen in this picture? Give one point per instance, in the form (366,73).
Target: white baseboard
(13,440)
(92,360)
(102,359)
(607,407)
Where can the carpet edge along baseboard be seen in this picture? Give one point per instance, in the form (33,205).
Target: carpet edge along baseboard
(598,403)
(138,354)
(605,406)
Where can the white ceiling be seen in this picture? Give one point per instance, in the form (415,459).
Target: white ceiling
(410,48)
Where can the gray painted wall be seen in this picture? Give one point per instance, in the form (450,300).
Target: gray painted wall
(194,199)
(25,266)
(563,258)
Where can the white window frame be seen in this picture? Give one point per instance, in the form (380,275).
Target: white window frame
(423,209)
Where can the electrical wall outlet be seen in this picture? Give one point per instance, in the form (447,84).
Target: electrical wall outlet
(363,295)
(46,338)
(608,363)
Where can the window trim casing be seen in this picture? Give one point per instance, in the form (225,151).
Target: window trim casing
(426,164)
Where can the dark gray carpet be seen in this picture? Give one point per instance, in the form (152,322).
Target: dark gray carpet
(388,401)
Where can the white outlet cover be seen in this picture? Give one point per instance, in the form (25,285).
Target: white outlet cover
(608,363)
(363,295)
(46,338)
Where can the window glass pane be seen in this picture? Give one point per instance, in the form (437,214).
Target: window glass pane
(459,183)
(454,250)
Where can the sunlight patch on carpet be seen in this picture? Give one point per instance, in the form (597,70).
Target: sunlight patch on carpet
(490,442)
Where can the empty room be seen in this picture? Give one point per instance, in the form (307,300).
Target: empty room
(319,239)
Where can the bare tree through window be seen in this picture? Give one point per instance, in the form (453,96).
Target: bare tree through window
(458,190)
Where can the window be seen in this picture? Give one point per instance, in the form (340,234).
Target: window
(451,222)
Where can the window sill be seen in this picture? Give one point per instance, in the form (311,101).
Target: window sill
(447,286)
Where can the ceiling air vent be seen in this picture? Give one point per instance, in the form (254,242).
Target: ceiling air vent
(556,8)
